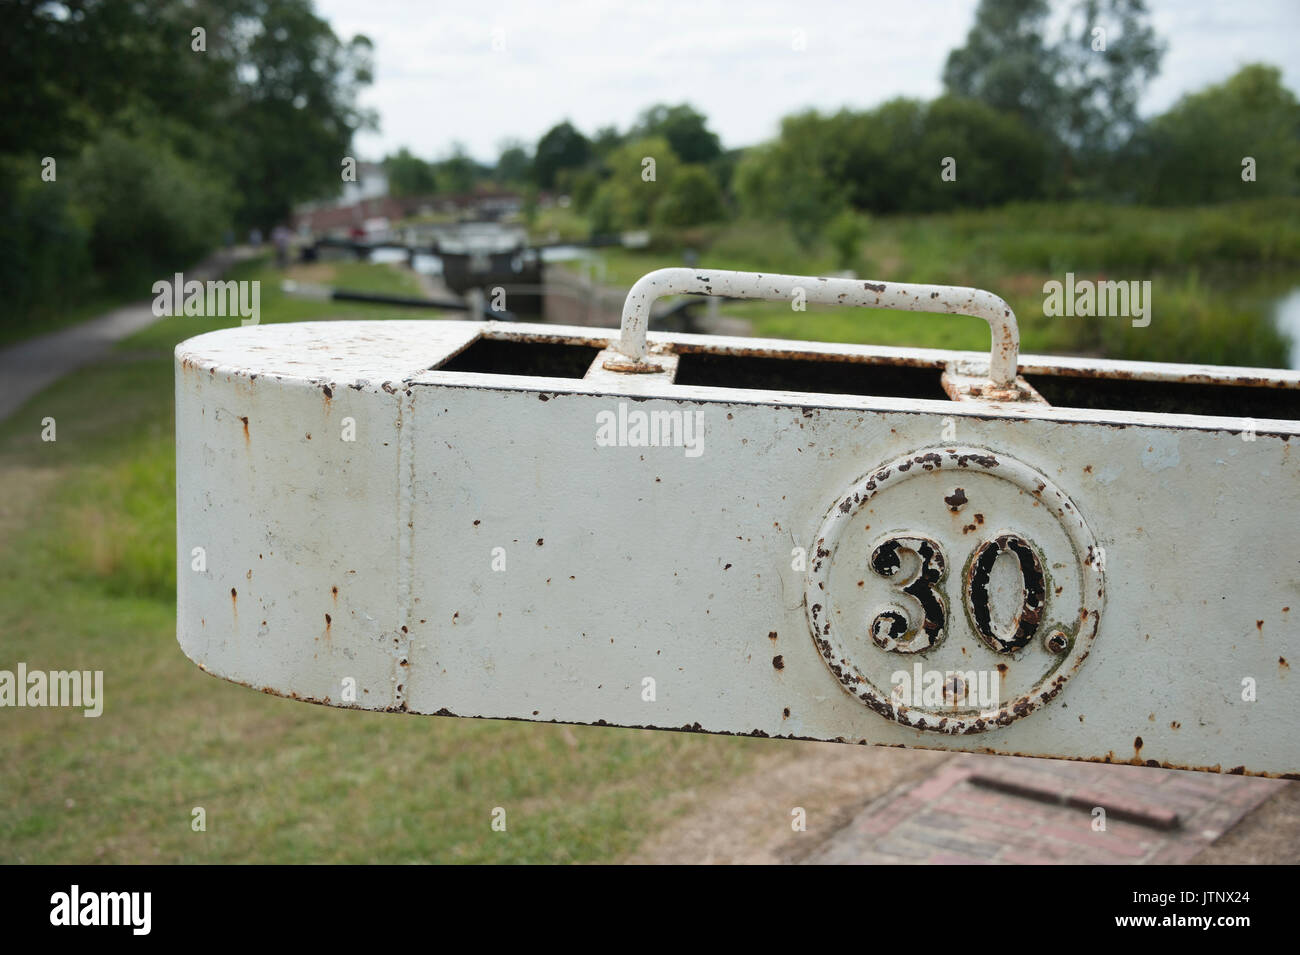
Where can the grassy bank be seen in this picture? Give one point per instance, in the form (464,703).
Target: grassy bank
(87,578)
(1214,275)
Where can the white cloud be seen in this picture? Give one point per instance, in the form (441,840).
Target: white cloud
(601,62)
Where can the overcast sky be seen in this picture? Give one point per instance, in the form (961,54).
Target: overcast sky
(480,73)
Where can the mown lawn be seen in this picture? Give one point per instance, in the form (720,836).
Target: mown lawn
(87,577)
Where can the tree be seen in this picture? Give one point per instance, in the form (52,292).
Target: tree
(685,129)
(996,157)
(409,175)
(791,178)
(606,140)
(163,135)
(890,159)
(1079,88)
(44,254)
(272,75)
(1008,63)
(458,173)
(562,147)
(1194,153)
(514,164)
(1102,86)
(691,198)
(296,107)
(69,68)
(148,208)
(627,198)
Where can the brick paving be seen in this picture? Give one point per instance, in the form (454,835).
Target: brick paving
(949,817)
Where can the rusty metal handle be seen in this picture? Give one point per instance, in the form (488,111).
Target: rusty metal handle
(1004,355)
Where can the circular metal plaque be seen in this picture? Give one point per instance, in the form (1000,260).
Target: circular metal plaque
(954,590)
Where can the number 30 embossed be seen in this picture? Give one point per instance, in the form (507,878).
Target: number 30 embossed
(893,629)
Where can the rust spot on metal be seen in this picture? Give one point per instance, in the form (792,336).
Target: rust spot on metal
(1282,664)
(628,366)
(956,500)
(778,662)
(772,636)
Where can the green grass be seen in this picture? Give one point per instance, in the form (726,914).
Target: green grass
(365,277)
(1215,273)
(87,540)
(558,223)
(87,580)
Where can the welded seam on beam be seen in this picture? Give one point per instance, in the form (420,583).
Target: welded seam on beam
(405,544)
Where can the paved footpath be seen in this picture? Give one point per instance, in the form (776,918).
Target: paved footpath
(30,366)
(991,810)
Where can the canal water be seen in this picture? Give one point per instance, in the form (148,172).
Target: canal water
(1287,317)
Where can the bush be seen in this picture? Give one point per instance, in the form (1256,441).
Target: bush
(692,197)
(845,234)
(787,179)
(889,159)
(148,209)
(1193,153)
(43,247)
(625,200)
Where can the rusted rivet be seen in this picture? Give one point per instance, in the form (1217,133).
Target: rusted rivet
(1057,641)
(954,690)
